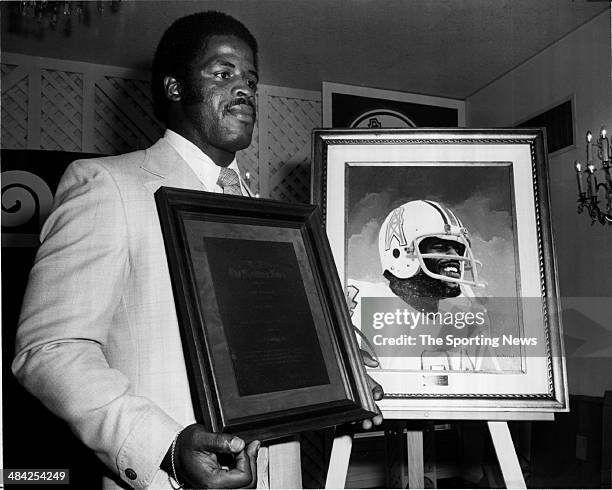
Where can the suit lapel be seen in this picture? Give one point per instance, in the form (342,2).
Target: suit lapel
(163,166)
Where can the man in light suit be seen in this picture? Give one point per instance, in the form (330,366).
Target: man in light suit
(98,341)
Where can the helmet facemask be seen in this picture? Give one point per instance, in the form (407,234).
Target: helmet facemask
(401,237)
(460,265)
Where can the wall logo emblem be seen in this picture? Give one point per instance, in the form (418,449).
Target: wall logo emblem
(382,118)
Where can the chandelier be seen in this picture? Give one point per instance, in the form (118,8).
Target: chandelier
(589,198)
(43,14)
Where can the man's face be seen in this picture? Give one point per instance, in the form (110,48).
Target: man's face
(422,286)
(449,267)
(218,95)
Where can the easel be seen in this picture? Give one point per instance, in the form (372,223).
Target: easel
(498,428)
(279,465)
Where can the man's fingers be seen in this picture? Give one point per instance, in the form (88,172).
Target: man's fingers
(377,419)
(367,424)
(218,443)
(252,450)
(377,394)
(244,474)
(199,458)
(376,389)
(234,478)
(243,465)
(368,360)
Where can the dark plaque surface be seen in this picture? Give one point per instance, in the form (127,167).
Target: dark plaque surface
(266,315)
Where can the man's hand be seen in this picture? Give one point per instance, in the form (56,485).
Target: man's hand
(197,465)
(377,392)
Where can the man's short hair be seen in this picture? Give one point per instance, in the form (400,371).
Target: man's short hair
(182,42)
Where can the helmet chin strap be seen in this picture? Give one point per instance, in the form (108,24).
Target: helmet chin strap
(422,291)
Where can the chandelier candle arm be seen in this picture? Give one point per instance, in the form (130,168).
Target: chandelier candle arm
(608,188)
(591,181)
(589,198)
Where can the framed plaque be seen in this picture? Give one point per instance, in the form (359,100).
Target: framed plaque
(266,333)
(443,243)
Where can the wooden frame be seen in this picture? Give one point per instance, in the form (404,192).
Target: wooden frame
(398,109)
(267,339)
(360,176)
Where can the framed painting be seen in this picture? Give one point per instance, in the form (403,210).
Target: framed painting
(443,246)
(353,106)
(268,343)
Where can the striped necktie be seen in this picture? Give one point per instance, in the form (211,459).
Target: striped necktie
(229,182)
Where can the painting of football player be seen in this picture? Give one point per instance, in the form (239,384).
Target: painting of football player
(426,254)
(427,260)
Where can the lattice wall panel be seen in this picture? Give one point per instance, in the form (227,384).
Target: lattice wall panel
(14,110)
(123,118)
(291,121)
(61,111)
(248,160)
(85,108)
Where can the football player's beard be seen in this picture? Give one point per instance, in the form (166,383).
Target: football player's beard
(437,267)
(422,286)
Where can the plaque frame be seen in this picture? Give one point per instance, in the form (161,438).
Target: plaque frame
(423,151)
(190,217)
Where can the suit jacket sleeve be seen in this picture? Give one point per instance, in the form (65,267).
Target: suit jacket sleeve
(75,288)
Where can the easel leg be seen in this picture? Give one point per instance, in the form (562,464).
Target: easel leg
(414,454)
(339,461)
(405,461)
(285,468)
(263,468)
(506,455)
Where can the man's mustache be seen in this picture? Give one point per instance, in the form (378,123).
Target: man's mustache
(250,101)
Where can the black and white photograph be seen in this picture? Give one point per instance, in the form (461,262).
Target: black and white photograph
(306,243)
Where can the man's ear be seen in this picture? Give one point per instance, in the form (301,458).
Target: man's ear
(172,88)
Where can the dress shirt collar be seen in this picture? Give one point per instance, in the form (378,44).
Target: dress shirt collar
(202,165)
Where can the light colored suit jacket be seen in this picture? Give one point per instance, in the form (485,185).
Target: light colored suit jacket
(98,341)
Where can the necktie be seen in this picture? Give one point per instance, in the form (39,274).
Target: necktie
(229,182)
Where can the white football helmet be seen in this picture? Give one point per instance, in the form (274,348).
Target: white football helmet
(408,225)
